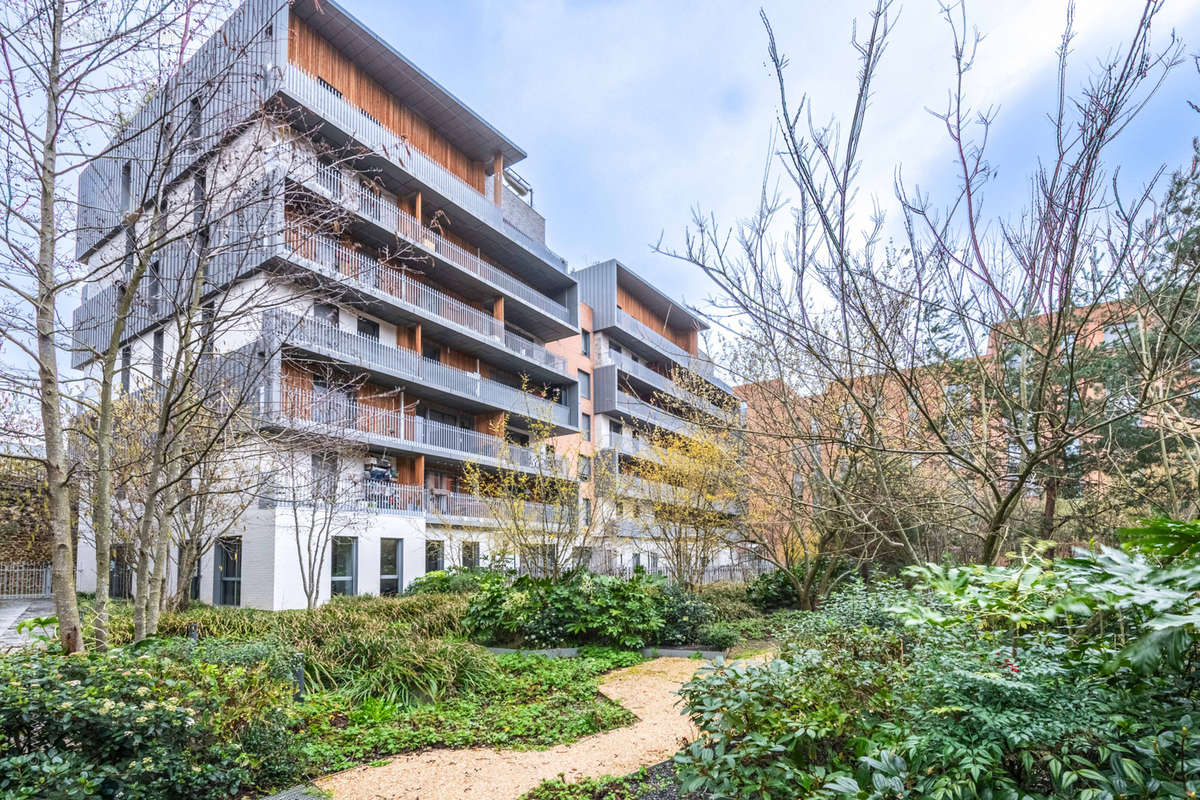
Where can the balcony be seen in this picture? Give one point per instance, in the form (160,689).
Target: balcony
(386,497)
(651,415)
(336,112)
(341,415)
(348,192)
(335,258)
(699,363)
(627,445)
(372,354)
(660,383)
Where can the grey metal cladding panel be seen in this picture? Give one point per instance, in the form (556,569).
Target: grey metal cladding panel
(604,389)
(598,289)
(228,73)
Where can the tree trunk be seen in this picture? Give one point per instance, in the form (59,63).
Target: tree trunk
(1048,509)
(66,605)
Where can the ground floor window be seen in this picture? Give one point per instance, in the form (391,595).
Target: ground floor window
(228,573)
(435,555)
(391,566)
(120,572)
(470,554)
(344,573)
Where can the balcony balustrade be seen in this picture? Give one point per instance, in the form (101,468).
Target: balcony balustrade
(660,382)
(696,363)
(333,255)
(386,497)
(309,91)
(337,413)
(408,364)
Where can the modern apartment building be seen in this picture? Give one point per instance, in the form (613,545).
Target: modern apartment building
(380,277)
(647,374)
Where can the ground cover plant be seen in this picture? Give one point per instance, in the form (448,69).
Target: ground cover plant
(162,720)
(658,782)
(1040,679)
(532,701)
(381,676)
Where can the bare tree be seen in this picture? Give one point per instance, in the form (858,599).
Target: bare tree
(971,351)
(540,497)
(73,72)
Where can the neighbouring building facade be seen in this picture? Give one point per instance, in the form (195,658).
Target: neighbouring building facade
(347,241)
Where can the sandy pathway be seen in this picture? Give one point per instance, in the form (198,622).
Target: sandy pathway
(648,690)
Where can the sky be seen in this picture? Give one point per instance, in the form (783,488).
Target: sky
(634,113)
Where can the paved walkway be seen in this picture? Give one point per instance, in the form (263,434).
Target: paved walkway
(648,690)
(14,610)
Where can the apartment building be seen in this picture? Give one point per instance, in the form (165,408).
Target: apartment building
(645,374)
(357,249)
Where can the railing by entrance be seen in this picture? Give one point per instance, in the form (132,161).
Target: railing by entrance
(24,580)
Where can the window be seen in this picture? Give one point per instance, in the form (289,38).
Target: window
(582,556)
(126,358)
(615,428)
(470,554)
(435,555)
(227,590)
(155,287)
(120,572)
(343,575)
(586,427)
(158,357)
(325,475)
(616,348)
(585,468)
(587,511)
(431,351)
(194,124)
(368,328)
(325,312)
(585,385)
(391,566)
(585,342)
(126,187)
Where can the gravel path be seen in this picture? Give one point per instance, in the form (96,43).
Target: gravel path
(648,690)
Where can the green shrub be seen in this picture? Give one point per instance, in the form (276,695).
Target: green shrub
(455,580)
(773,590)
(140,724)
(684,615)
(583,609)
(719,636)
(1074,678)
(407,671)
(728,601)
(339,640)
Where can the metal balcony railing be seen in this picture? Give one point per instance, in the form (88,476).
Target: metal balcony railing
(661,382)
(341,414)
(628,445)
(334,255)
(409,364)
(352,193)
(636,407)
(696,363)
(378,138)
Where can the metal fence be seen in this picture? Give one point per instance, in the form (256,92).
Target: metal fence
(24,580)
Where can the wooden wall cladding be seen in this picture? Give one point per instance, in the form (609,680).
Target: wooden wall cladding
(309,51)
(687,339)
